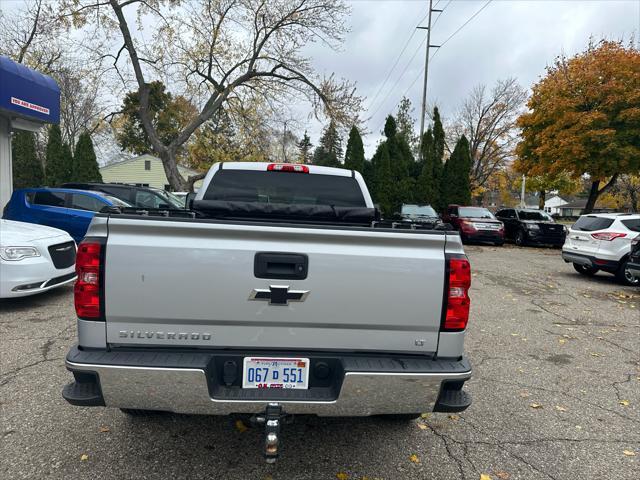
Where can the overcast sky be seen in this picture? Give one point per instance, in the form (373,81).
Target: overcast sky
(508,38)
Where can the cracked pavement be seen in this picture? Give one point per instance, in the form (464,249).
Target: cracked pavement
(539,334)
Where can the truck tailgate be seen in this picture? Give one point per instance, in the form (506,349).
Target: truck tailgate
(185,283)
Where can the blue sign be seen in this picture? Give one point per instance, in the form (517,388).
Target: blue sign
(28,94)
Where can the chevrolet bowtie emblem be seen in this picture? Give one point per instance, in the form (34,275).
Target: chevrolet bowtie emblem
(278,295)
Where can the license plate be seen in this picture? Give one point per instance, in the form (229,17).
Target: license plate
(267,372)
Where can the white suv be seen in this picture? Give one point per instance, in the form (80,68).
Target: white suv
(602,241)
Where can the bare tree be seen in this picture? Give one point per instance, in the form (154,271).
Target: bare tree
(488,119)
(31,34)
(36,34)
(213,50)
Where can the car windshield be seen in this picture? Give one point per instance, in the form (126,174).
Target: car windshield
(116,201)
(418,210)
(537,215)
(474,212)
(170,198)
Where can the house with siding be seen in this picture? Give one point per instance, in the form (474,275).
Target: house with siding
(145,170)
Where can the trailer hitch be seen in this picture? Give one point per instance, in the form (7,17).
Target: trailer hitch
(273,418)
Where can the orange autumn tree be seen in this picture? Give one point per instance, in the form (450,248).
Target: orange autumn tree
(584,118)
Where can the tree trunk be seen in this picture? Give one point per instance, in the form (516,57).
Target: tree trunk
(542,199)
(594,193)
(178,184)
(593,196)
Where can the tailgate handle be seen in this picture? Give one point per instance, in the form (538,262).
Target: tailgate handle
(282,266)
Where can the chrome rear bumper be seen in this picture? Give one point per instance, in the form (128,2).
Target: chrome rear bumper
(188,390)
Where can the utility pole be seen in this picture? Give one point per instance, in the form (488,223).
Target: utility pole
(522,190)
(426,74)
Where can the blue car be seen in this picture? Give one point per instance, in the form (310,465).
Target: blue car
(64,208)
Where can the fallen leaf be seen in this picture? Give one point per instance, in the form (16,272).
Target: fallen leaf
(560,409)
(104,429)
(342,476)
(240,426)
(624,403)
(414,458)
(502,475)
(578,427)
(484,476)
(594,354)
(562,341)
(535,405)
(454,417)
(425,415)
(629,453)
(84,457)
(515,334)
(422,426)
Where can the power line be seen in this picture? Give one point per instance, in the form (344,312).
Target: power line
(463,25)
(395,64)
(375,97)
(421,72)
(392,89)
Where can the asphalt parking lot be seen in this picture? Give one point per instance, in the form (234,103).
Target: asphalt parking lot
(556,392)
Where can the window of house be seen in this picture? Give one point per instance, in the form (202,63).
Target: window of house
(147,164)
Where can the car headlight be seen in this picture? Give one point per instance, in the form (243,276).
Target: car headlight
(533,226)
(13,254)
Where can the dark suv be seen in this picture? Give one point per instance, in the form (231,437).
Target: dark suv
(140,197)
(526,225)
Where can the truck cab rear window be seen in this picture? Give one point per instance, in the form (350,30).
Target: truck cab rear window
(284,188)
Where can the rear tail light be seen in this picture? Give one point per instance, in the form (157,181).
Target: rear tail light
(287,167)
(456,314)
(608,236)
(88,288)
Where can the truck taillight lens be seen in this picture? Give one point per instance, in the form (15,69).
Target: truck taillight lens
(608,236)
(287,167)
(87,290)
(458,302)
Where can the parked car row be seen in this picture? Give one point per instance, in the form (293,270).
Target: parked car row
(72,207)
(607,242)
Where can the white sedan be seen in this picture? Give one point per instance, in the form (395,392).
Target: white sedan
(34,258)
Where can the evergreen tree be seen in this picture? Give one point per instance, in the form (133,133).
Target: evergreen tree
(58,157)
(427,188)
(400,190)
(27,169)
(437,162)
(354,156)
(329,151)
(304,146)
(456,186)
(382,181)
(85,166)
(405,122)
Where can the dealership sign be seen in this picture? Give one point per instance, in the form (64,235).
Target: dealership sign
(29,105)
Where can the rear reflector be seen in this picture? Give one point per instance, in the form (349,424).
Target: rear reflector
(458,302)
(287,167)
(608,236)
(87,290)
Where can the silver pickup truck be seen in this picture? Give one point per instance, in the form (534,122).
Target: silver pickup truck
(278,292)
